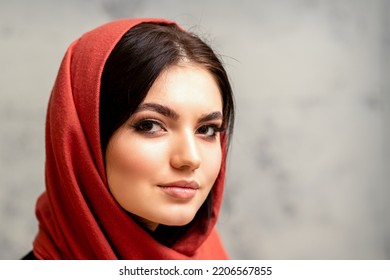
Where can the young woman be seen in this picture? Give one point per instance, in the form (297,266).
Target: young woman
(137,132)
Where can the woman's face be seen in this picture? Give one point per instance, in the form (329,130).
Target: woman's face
(163,161)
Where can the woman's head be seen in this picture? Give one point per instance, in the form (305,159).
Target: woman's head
(122,113)
(166,106)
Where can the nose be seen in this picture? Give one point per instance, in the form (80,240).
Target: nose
(185,153)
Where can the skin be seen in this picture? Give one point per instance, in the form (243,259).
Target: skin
(174,135)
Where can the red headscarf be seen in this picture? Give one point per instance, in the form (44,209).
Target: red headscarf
(78,217)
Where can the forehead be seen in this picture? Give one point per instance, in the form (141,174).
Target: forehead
(185,85)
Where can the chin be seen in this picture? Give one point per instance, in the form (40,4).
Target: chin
(181,219)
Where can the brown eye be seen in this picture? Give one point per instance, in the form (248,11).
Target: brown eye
(208,130)
(148,126)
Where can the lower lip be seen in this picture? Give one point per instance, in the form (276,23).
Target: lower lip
(179,192)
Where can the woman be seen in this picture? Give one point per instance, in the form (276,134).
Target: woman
(137,132)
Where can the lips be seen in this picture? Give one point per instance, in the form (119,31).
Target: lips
(183,190)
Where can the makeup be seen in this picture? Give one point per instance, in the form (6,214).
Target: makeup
(184,190)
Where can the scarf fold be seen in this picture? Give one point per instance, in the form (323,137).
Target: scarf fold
(78,217)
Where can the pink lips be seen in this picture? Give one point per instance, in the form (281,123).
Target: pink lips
(180,189)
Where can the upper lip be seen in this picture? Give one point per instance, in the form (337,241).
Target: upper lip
(182,184)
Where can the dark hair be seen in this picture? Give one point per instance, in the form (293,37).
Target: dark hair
(132,67)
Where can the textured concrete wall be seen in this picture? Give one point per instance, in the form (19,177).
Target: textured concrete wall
(309,169)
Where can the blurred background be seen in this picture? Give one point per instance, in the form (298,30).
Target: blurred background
(309,169)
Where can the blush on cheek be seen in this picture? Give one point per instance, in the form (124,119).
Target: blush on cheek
(213,165)
(135,154)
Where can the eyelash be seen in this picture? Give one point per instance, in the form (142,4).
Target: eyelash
(138,126)
(217,129)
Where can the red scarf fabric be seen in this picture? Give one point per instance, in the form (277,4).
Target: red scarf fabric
(78,217)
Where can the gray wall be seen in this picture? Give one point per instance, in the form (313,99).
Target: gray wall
(310,163)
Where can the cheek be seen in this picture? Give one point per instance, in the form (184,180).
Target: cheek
(212,163)
(129,161)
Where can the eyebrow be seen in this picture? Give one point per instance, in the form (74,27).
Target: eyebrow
(158,108)
(211,117)
(169,113)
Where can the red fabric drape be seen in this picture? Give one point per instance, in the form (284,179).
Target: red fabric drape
(78,217)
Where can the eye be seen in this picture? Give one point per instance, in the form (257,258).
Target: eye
(148,127)
(210,130)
